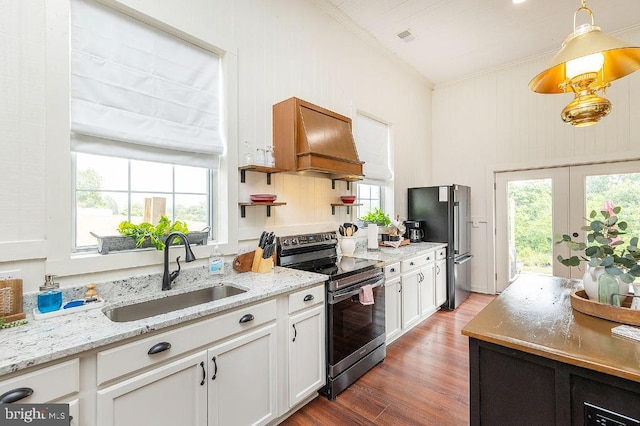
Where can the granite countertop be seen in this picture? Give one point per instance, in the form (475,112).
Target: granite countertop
(41,341)
(534,315)
(390,255)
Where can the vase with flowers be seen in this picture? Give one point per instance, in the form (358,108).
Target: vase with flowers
(612,264)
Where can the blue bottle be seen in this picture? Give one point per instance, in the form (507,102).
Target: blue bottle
(50,296)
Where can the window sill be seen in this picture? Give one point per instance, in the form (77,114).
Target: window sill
(89,263)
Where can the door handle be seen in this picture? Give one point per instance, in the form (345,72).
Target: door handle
(204,373)
(215,368)
(295,333)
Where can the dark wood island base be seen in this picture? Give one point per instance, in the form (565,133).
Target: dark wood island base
(535,361)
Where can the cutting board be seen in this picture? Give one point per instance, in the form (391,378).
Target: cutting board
(11,300)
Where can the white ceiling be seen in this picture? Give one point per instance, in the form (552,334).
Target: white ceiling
(458,38)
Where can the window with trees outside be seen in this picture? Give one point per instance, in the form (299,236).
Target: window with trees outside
(110,190)
(370,196)
(146,118)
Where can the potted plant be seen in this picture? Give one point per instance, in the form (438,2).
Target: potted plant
(377,217)
(605,253)
(145,235)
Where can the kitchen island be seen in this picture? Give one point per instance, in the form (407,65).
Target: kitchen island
(535,360)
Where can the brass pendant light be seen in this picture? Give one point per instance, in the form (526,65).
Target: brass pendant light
(587,63)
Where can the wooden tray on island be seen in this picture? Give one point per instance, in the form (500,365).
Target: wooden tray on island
(581,303)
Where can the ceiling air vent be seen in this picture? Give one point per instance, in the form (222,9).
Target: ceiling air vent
(406,36)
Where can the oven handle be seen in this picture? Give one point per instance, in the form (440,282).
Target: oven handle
(339,297)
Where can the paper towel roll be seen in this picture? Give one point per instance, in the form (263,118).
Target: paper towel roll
(372,236)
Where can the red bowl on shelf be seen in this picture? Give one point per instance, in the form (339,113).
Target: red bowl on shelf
(263,198)
(348,199)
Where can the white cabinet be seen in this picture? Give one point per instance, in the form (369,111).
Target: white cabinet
(411,298)
(59,383)
(307,371)
(173,394)
(441,277)
(306,343)
(427,290)
(242,379)
(393,308)
(159,380)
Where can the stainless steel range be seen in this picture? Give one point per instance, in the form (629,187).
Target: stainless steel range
(355,330)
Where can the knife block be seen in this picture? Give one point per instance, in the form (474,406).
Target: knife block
(252,262)
(11,300)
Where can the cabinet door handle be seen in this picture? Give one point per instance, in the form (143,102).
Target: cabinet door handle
(295,333)
(437,270)
(308,297)
(159,347)
(399,288)
(246,318)
(215,368)
(15,395)
(204,373)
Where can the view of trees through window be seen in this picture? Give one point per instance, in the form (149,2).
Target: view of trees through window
(110,190)
(530,216)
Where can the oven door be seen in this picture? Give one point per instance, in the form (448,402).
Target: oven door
(354,329)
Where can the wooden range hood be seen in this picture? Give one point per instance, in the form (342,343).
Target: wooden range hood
(307,137)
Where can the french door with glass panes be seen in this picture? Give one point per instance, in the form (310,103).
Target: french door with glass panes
(534,206)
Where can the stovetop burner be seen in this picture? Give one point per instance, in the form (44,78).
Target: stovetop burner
(317,253)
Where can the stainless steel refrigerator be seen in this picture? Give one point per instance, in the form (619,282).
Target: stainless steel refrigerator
(444,215)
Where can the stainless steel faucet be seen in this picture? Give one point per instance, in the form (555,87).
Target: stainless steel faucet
(167,278)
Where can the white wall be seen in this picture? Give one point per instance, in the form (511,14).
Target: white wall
(279,49)
(493,122)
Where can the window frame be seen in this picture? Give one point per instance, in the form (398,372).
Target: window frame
(57,254)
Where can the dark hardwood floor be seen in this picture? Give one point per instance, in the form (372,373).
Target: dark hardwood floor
(424,379)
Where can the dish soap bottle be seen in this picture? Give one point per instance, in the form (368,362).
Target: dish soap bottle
(50,296)
(216,262)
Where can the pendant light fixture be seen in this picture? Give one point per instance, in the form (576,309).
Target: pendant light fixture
(587,63)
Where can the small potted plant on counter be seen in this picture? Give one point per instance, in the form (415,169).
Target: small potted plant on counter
(612,264)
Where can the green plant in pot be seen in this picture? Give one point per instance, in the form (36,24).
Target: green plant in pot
(611,262)
(146,230)
(377,216)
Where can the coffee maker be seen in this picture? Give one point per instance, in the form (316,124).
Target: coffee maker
(414,232)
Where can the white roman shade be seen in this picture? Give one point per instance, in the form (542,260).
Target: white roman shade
(138,92)
(372,141)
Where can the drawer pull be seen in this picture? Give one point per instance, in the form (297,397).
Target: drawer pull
(15,395)
(159,347)
(392,269)
(411,263)
(246,318)
(215,368)
(308,297)
(204,374)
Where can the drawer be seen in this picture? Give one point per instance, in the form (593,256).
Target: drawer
(129,357)
(306,298)
(48,384)
(391,271)
(441,253)
(417,261)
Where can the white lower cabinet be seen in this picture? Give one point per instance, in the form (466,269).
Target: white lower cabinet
(58,384)
(411,298)
(393,308)
(441,280)
(242,379)
(307,371)
(172,394)
(427,290)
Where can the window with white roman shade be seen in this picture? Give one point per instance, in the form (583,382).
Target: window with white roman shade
(140,93)
(372,141)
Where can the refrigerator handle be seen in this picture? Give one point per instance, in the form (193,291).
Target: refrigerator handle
(456,218)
